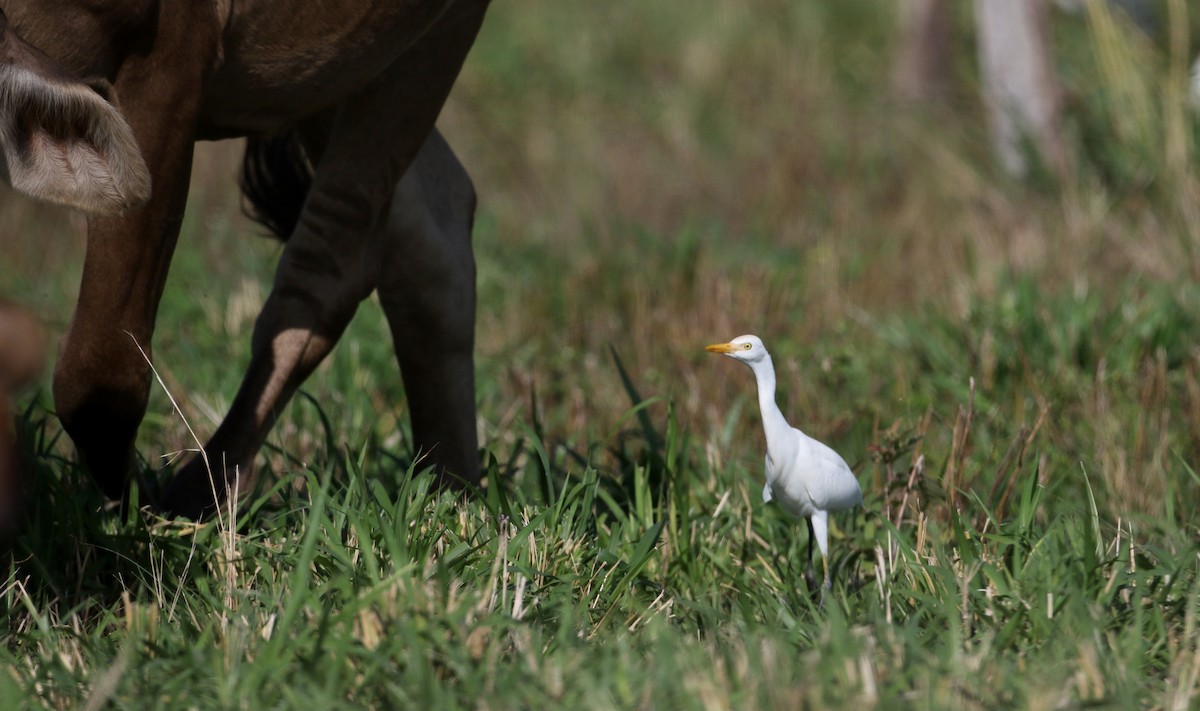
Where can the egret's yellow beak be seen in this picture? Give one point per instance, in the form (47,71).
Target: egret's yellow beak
(721,348)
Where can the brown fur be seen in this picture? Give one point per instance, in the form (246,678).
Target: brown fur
(362,83)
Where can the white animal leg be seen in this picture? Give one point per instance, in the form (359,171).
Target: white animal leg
(820,530)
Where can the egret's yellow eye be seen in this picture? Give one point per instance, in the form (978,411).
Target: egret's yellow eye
(747,346)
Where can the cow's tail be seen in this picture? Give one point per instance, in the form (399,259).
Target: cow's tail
(276,177)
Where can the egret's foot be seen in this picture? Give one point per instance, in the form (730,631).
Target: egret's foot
(825,587)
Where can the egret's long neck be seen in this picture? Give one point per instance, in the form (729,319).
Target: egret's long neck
(772,418)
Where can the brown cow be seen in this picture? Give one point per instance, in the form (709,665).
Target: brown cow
(100,104)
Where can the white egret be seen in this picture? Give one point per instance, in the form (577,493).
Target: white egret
(806,477)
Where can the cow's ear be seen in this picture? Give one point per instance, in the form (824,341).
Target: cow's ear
(59,140)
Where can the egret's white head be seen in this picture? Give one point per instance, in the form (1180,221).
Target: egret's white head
(748,349)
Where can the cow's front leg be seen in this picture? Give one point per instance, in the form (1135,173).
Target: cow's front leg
(101,381)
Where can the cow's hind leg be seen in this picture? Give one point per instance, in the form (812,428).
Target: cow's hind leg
(419,258)
(427,288)
(374,138)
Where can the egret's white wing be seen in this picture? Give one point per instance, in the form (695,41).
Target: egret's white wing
(767,492)
(833,485)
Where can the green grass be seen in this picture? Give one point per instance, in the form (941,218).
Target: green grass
(1011,370)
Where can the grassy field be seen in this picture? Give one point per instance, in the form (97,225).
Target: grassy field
(1011,369)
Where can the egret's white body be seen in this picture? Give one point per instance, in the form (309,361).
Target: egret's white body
(804,476)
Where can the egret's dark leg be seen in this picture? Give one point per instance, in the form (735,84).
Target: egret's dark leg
(810,577)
